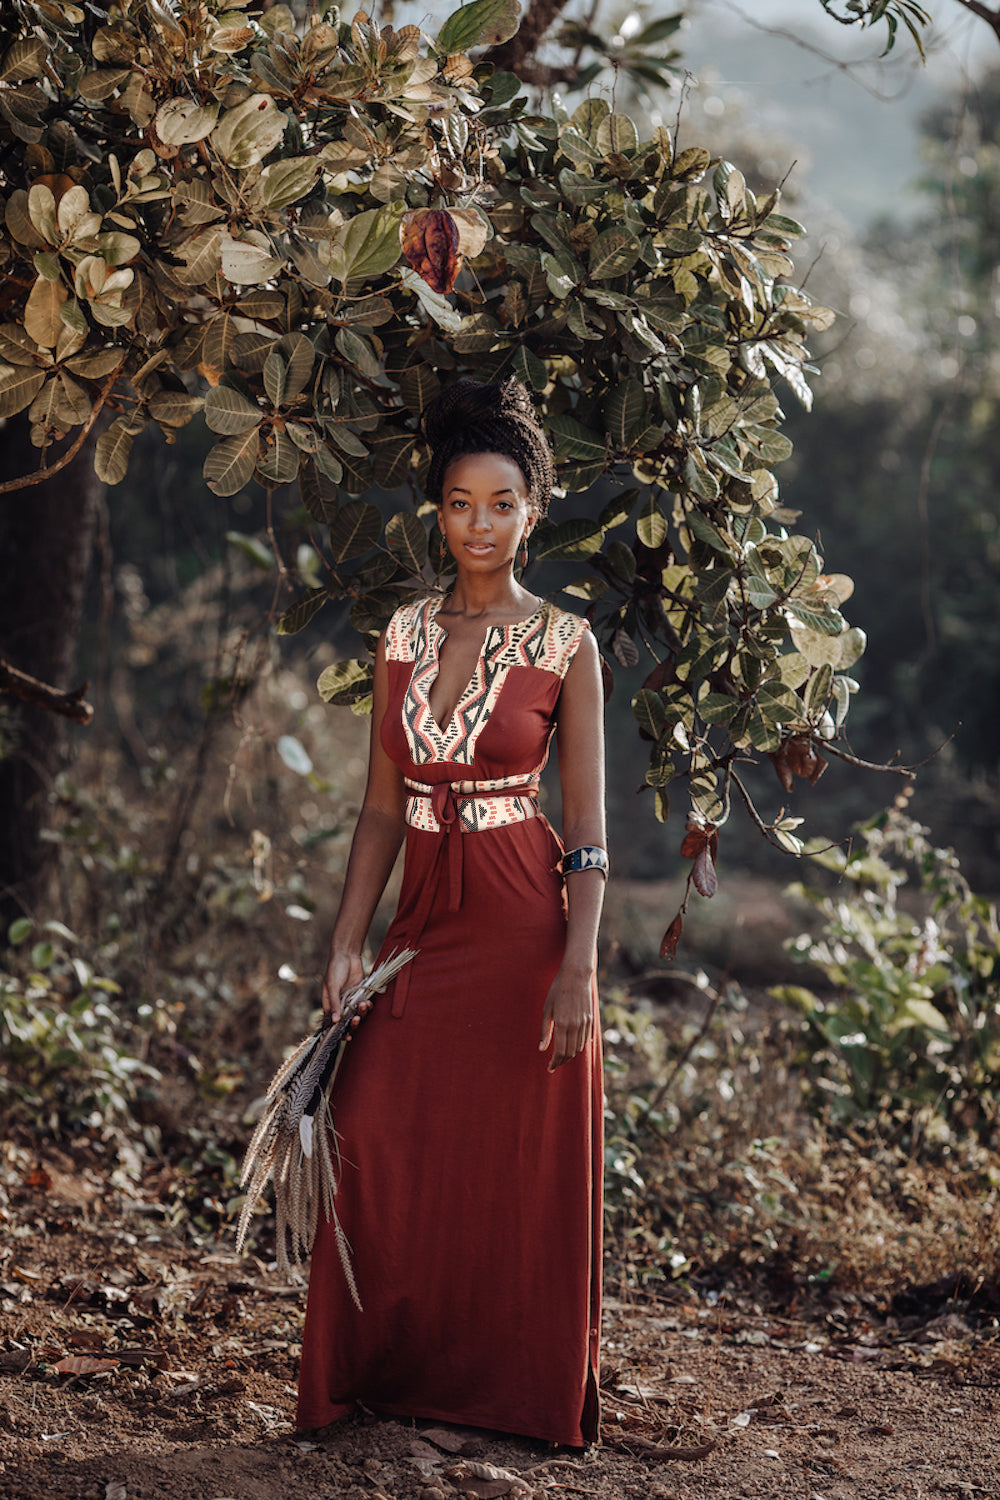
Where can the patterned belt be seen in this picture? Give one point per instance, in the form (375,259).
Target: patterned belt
(450,808)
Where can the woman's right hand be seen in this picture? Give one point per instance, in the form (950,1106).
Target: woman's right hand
(343,972)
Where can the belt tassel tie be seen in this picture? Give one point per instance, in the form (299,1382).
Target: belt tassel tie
(446,799)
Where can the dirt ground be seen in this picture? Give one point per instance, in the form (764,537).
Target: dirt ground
(135,1366)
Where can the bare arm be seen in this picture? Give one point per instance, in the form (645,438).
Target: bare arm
(374,848)
(568,1018)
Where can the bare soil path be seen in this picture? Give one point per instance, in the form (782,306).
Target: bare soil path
(194,1398)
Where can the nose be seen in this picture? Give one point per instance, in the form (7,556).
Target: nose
(481,519)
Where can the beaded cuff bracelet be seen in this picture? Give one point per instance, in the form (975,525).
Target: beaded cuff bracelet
(587,857)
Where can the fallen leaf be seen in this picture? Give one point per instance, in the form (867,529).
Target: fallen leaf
(665,1452)
(92,1341)
(21,1273)
(453,1442)
(38,1179)
(139,1356)
(420,1449)
(84,1364)
(487,1481)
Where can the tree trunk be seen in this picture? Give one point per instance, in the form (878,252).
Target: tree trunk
(46,532)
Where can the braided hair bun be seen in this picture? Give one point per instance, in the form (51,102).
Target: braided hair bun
(470,417)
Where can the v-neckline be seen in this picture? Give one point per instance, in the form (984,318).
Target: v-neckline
(439,635)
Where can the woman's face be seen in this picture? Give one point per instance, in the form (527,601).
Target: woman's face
(485,514)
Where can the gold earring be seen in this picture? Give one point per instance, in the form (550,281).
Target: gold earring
(524,550)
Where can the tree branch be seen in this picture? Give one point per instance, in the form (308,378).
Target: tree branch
(867,765)
(71,705)
(991,17)
(9,486)
(510,57)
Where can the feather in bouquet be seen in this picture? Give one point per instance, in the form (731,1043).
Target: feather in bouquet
(294,1142)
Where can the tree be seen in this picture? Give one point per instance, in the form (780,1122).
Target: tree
(298,232)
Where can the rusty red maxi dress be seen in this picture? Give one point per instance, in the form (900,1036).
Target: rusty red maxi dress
(470,1185)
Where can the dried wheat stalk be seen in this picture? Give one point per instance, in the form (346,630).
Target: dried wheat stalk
(294,1142)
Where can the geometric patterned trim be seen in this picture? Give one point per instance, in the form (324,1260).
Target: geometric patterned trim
(479,804)
(475,815)
(547,639)
(587,857)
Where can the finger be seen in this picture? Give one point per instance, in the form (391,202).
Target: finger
(548,1028)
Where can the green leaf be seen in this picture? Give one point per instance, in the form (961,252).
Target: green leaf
(651,526)
(249,132)
(391,456)
(406,539)
(279,463)
(718,708)
(181,122)
(649,713)
(818,690)
(529,369)
(249,261)
(42,955)
(617,134)
(569,542)
(251,547)
(574,441)
(358,351)
(284,182)
(345,682)
(699,479)
(772,446)
(612,254)
(299,355)
(625,413)
(117,249)
(418,386)
(778,703)
(370,244)
(42,320)
(354,530)
(19,930)
(706,531)
(660,772)
(229,411)
(918,1012)
(300,613)
(484,23)
(19,385)
(23,59)
(230,464)
(318,491)
(112,452)
(174,408)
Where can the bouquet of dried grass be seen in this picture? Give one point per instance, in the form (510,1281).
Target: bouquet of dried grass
(292,1142)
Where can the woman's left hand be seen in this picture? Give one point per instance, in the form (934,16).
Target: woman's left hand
(568,1017)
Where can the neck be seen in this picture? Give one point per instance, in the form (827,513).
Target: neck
(487,596)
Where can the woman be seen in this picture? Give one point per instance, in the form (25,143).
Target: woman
(469,1106)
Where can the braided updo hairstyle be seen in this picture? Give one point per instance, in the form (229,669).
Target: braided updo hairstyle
(470,418)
